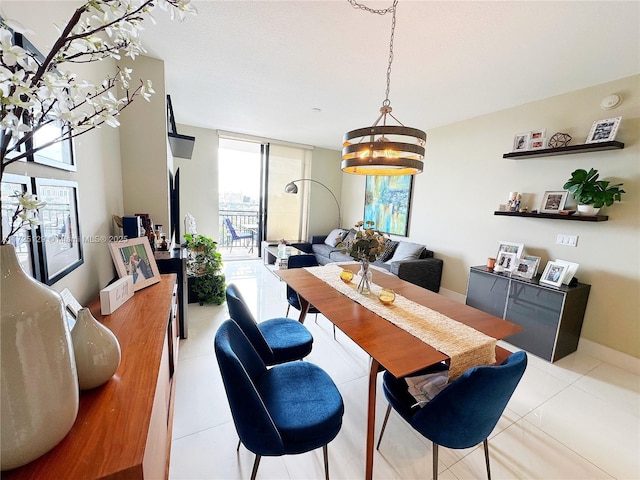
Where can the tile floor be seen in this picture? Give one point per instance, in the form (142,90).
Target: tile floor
(576,419)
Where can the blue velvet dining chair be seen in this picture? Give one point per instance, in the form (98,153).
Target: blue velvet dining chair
(287,409)
(465,412)
(301,261)
(276,340)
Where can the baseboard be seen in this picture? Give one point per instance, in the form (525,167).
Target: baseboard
(609,355)
(458,297)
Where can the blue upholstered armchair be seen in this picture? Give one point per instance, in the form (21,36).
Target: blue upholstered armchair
(288,409)
(465,412)
(277,340)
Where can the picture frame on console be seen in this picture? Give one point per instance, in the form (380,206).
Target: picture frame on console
(134,257)
(507,261)
(527,267)
(553,201)
(510,247)
(553,274)
(572,268)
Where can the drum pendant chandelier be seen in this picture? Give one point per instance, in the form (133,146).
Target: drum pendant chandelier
(383,149)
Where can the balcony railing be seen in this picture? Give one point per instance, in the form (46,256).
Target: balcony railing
(243,221)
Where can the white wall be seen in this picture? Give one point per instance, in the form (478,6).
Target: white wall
(465,179)
(323,212)
(97,155)
(144,149)
(199,181)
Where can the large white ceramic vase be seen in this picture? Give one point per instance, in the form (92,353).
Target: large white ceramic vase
(39,390)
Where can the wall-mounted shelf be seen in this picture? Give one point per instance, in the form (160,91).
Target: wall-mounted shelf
(549,152)
(556,216)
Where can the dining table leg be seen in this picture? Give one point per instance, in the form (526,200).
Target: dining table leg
(374,368)
(304,308)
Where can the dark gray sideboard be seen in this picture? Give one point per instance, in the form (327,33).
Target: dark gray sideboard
(551,317)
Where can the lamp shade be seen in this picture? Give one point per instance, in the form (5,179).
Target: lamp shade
(383,150)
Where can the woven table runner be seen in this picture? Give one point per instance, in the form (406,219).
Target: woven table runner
(465,346)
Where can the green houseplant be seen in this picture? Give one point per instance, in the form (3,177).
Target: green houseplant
(204,269)
(588,190)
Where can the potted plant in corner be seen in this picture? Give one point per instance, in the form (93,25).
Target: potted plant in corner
(204,270)
(590,193)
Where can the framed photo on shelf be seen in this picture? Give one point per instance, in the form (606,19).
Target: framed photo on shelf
(134,257)
(60,242)
(538,134)
(538,143)
(507,260)
(604,130)
(553,202)
(553,274)
(510,247)
(24,240)
(570,272)
(527,267)
(521,141)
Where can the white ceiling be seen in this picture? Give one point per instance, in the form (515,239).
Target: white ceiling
(263,67)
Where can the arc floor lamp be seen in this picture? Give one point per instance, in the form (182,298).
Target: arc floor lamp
(291,187)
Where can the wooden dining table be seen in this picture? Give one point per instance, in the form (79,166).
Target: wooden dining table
(389,347)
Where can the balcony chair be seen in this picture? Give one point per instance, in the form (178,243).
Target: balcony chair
(465,412)
(288,409)
(300,261)
(277,340)
(237,236)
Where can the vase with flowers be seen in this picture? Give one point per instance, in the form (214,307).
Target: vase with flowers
(364,246)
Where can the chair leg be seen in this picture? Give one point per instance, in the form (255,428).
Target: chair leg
(384,425)
(238,447)
(255,467)
(334,331)
(486,457)
(288,307)
(435,461)
(326,462)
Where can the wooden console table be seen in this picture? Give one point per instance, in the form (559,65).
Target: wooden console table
(123,428)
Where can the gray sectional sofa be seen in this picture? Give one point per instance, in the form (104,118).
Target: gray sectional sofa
(409,261)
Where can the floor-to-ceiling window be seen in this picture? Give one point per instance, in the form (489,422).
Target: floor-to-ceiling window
(252,177)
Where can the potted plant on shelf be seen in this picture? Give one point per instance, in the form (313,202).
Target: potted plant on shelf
(204,270)
(590,193)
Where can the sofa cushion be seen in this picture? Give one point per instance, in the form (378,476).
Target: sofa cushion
(335,237)
(406,251)
(322,249)
(389,250)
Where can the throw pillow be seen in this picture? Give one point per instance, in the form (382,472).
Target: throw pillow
(351,234)
(389,250)
(335,237)
(406,251)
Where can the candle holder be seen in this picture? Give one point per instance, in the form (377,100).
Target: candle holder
(387,296)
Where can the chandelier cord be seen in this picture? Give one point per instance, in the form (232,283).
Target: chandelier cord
(386,104)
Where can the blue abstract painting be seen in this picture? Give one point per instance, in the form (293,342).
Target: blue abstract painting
(386,203)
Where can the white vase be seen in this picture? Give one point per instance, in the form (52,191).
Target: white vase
(39,382)
(96,349)
(587,210)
